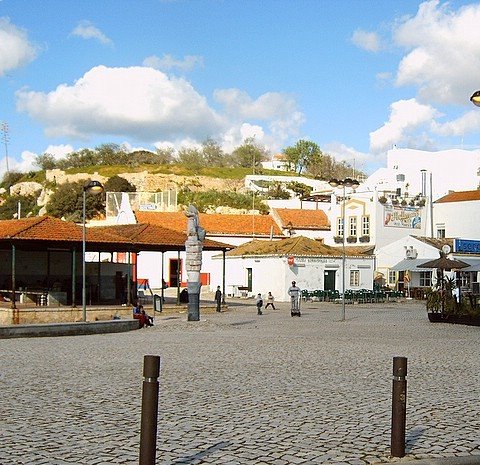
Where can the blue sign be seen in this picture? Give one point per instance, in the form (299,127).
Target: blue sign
(466,246)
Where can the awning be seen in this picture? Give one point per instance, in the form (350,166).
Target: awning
(410,264)
(473,262)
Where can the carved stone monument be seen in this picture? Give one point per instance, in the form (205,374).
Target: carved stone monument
(193,247)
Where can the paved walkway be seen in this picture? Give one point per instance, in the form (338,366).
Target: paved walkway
(237,388)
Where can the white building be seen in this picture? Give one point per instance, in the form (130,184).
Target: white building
(271,266)
(455,169)
(456,215)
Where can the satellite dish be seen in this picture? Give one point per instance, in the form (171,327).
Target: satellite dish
(446,249)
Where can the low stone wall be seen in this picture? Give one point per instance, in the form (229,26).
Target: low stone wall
(38,315)
(43,315)
(68,329)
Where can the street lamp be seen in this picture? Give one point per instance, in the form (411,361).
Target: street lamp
(343,183)
(92,187)
(475,98)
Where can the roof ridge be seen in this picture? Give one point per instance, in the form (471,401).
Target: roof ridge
(36,220)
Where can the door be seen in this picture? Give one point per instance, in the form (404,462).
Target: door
(329,280)
(249,279)
(175,272)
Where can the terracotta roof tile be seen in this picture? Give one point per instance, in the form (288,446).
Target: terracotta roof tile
(299,246)
(133,236)
(144,234)
(214,223)
(303,219)
(461,196)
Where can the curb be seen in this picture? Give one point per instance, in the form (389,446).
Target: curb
(468,460)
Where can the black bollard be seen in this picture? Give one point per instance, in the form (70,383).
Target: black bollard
(399,407)
(148,425)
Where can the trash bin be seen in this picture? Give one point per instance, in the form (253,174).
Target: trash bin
(157,303)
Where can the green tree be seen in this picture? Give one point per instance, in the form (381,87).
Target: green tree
(10,178)
(118,184)
(250,154)
(67,202)
(112,154)
(80,159)
(276,191)
(300,189)
(28,206)
(191,157)
(45,161)
(165,156)
(213,154)
(302,155)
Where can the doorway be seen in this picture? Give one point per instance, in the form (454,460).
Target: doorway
(329,280)
(175,272)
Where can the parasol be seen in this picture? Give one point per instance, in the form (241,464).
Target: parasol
(444,263)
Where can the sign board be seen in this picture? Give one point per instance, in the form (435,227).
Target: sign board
(402,217)
(291,261)
(466,246)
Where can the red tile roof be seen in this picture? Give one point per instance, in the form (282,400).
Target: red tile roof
(298,246)
(214,223)
(461,196)
(144,234)
(303,219)
(135,237)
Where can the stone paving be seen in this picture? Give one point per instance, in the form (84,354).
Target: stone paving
(237,388)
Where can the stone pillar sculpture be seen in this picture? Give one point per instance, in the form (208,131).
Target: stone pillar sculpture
(193,247)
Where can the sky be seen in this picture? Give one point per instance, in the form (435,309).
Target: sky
(358,77)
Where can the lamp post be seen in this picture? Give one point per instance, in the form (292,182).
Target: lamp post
(475,98)
(343,183)
(92,187)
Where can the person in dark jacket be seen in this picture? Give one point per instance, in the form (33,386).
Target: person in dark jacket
(218,299)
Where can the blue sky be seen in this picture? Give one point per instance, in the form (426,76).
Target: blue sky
(355,76)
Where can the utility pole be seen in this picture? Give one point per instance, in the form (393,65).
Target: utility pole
(6,140)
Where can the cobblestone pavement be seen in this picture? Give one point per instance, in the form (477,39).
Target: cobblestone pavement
(237,388)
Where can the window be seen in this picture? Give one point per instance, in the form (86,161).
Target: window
(339,227)
(392,277)
(425,278)
(465,280)
(353,226)
(440,233)
(354,278)
(365,226)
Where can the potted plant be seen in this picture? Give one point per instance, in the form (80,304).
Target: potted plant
(351,239)
(442,306)
(338,239)
(364,238)
(403,203)
(421,203)
(382,199)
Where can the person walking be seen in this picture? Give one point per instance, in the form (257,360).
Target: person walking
(259,303)
(270,300)
(294,292)
(218,299)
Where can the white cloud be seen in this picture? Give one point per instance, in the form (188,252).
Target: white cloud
(167,62)
(15,48)
(146,105)
(369,41)
(59,151)
(342,152)
(406,118)
(86,30)
(443,52)
(138,102)
(469,122)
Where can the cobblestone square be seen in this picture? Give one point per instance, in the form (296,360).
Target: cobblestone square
(237,388)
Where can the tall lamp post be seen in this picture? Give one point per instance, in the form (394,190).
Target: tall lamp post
(343,183)
(92,187)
